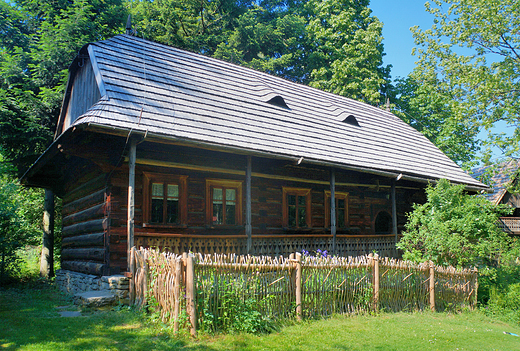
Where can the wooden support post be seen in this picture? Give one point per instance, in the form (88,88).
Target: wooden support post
(131,286)
(144,288)
(298,289)
(375,274)
(249,229)
(475,288)
(432,286)
(177,294)
(131,197)
(394,213)
(333,209)
(190,295)
(47,256)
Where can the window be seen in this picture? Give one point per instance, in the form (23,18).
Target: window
(164,200)
(296,208)
(223,202)
(341,209)
(383,223)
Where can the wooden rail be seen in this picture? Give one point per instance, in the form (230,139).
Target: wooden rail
(510,225)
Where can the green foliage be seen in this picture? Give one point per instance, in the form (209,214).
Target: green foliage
(20,217)
(334,45)
(454,228)
(468,75)
(39,40)
(233,313)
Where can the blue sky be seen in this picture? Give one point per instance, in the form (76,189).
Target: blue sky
(397,17)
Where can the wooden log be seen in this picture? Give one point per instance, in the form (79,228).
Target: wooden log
(88,201)
(131,194)
(83,267)
(375,262)
(190,295)
(89,213)
(432,286)
(96,239)
(96,254)
(86,188)
(93,226)
(298,289)
(47,254)
(132,269)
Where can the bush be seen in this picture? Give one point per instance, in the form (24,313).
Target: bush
(454,228)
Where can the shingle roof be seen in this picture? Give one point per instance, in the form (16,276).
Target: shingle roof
(159,89)
(499,178)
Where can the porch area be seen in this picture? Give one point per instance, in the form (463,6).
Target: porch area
(510,225)
(273,245)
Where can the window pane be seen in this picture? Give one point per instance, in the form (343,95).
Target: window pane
(230,195)
(217,213)
(172,211)
(340,218)
(301,201)
(157,211)
(230,213)
(341,203)
(292,216)
(291,200)
(173,191)
(217,195)
(302,217)
(157,190)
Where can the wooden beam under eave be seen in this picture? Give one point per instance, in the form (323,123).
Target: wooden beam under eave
(131,196)
(249,229)
(333,209)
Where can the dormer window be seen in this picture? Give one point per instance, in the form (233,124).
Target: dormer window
(351,120)
(278,101)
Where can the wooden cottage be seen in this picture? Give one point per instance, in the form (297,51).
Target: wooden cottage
(161,147)
(501,177)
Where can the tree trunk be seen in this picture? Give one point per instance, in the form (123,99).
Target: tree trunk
(47,257)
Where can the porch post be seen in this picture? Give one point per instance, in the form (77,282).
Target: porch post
(333,208)
(47,256)
(394,212)
(249,229)
(131,197)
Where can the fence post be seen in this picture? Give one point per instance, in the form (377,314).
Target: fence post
(475,274)
(146,269)
(131,285)
(190,295)
(177,293)
(375,267)
(298,286)
(432,286)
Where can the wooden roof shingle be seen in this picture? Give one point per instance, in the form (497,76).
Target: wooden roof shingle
(154,88)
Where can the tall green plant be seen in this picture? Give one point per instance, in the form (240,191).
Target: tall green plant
(454,228)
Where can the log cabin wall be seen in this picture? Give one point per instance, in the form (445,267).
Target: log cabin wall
(368,195)
(85,221)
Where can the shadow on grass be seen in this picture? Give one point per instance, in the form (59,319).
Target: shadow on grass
(30,319)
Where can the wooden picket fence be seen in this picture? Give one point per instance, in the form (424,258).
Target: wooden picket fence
(190,287)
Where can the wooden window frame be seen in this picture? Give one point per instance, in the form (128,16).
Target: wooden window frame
(181,181)
(285,206)
(338,195)
(227,184)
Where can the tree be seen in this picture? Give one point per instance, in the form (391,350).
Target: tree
(333,45)
(470,59)
(20,219)
(454,228)
(39,40)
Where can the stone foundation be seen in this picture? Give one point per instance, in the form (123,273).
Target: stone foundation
(74,283)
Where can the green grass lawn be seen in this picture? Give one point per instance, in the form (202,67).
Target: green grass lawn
(29,320)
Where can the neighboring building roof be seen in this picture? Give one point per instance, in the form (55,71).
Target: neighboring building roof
(499,177)
(160,90)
